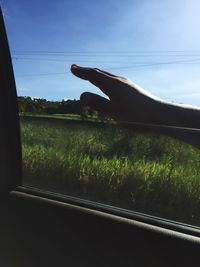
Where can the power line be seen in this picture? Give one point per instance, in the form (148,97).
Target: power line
(124,67)
(90,54)
(103,61)
(69,60)
(106,52)
(108,55)
(43,74)
(162,63)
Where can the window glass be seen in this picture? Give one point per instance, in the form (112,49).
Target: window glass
(96,147)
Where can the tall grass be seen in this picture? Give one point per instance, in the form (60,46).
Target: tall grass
(145,172)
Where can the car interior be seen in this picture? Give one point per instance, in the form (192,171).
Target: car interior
(41,228)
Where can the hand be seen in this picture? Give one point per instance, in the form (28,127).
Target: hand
(129,103)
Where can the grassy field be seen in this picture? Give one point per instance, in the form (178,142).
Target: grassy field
(143,172)
(74,117)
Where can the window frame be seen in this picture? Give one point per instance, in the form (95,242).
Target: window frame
(12,182)
(10,129)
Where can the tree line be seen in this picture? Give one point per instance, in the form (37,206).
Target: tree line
(28,105)
(42,106)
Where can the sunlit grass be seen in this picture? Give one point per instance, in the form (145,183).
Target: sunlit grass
(149,173)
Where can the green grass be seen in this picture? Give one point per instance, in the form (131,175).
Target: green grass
(144,172)
(64,116)
(73,117)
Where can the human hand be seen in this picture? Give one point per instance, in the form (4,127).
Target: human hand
(127,101)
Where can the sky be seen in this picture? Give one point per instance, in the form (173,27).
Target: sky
(154,43)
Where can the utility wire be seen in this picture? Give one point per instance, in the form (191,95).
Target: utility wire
(69,60)
(137,65)
(125,67)
(44,74)
(161,63)
(97,61)
(107,55)
(106,52)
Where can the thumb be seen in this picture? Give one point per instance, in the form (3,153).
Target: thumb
(97,103)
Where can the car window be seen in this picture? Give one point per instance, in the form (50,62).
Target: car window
(97,146)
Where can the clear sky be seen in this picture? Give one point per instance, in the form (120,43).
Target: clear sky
(154,43)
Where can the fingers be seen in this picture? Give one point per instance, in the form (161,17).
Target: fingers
(97,103)
(108,73)
(74,67)
(108,83)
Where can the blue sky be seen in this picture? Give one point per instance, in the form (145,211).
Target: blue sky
(154,43)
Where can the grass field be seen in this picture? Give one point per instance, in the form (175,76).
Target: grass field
(144,172)
(74,117)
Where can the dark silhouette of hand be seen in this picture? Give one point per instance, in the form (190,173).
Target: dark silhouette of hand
(129,103)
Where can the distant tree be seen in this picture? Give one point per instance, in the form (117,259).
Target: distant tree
(28,105)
